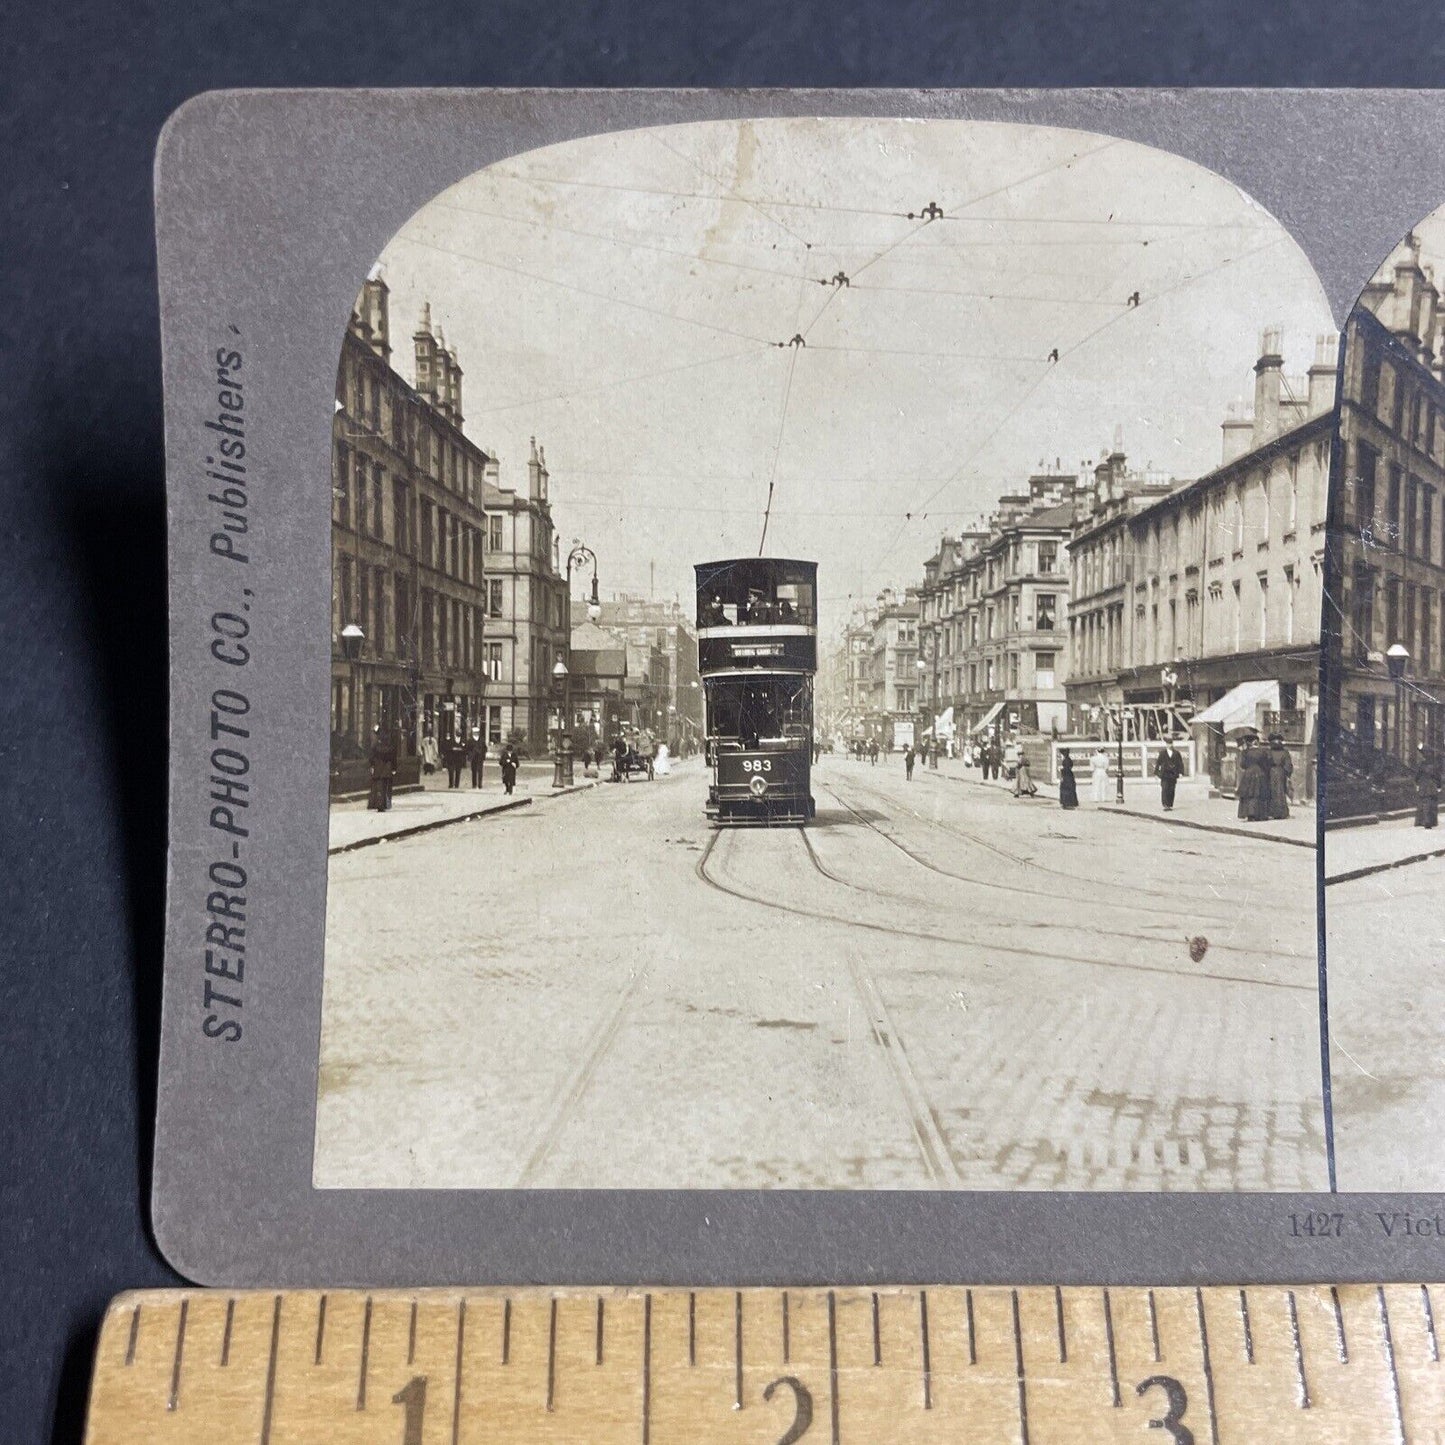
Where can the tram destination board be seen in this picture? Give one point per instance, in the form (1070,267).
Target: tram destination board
(741,647)
(1036,1366)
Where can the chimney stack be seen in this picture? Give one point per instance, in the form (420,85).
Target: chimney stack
(1268,373)
(426,355)
(1322,373)
(1238,429)
(371,306)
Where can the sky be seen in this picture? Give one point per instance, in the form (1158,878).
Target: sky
(1430,234)
(630,300)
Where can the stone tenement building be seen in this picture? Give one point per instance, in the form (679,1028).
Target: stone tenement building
(526,606)
(892,676)
(1388,524)
(406,538)
(992,635)
(1211,593)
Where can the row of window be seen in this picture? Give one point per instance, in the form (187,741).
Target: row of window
(1036,669)
(1400,515)
(1389,611)
(1390,398)
(1020,559)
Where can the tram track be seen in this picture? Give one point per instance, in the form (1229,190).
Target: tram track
(701,868)
(1130,891)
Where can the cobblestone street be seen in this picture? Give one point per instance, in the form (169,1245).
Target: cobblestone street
(935,985)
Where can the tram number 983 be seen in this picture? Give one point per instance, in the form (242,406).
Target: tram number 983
(757,765)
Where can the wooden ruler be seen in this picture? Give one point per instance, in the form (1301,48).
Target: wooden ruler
(1353,1364)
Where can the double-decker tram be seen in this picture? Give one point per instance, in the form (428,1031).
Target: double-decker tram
(757,645)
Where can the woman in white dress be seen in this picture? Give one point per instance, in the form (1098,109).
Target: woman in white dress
(1099,775)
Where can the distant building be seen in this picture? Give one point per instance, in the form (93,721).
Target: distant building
(406,539)
(526,606)
(994,605)
(1388,539)
(892,685)
(664,687)
(598,685)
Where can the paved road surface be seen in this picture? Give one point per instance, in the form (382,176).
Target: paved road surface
(934,986)
(1385,939)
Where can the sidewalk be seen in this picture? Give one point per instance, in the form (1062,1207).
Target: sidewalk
(1358,852)
(1193,807)
(354,825)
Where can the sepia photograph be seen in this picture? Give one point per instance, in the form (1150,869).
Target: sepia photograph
(825,670)
(1385,726)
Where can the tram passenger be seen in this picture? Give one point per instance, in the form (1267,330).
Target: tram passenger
(713,614)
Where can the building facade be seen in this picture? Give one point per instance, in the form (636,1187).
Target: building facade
(995,598)
(1388,534)
(890,715)
(526,607)
(664,688)
(1207,599)
(407,529)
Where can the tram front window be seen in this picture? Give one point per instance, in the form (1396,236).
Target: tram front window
(769,714)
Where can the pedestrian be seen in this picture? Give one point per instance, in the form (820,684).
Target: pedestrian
(1281,769)
(430,754)
(509,761)
(873,752)
(1024,786)
(477,755)
(1253,779)
(1099,775)
(1068,786)
(908,762)
(454,756)
(1427,788)
(933,752)
(1168,768)
(382,760)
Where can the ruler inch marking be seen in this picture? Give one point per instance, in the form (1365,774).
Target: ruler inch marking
(320,1330)
(737,1349)
(507,1330)
(175,1396)
(268,1405)
(1389,1343)
(1059,1316)
(226,1334)
(877,1333)
(1299,1352)
(365,1355)
(1154,1328)
(786,1352)
(1248,1332)
(1340,1342)
(692,1327)
(646,1369)
(833,1420)
(1113,1353)
(927,1353)
(457,1373)
(972,1336)
(1019,1367)
(1208,1367)
(411,1335)
(551,1354)
(134,1336)
(1430,1324)
(599,1329)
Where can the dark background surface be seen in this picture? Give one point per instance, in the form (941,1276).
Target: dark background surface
(82,581)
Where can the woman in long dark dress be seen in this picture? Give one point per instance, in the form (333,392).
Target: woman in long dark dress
(1068,787)
(1281,769)
(1251,780)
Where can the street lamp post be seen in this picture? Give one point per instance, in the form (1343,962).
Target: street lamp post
(1397,659)
(1119,784)
(580,555)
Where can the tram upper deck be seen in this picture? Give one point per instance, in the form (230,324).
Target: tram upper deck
(757,613)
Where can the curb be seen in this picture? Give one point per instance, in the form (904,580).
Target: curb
(1211,827)
(1365,872)
(429,827)
(1366,820)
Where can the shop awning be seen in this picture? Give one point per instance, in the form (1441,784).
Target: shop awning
(1239,707)
(987,718)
